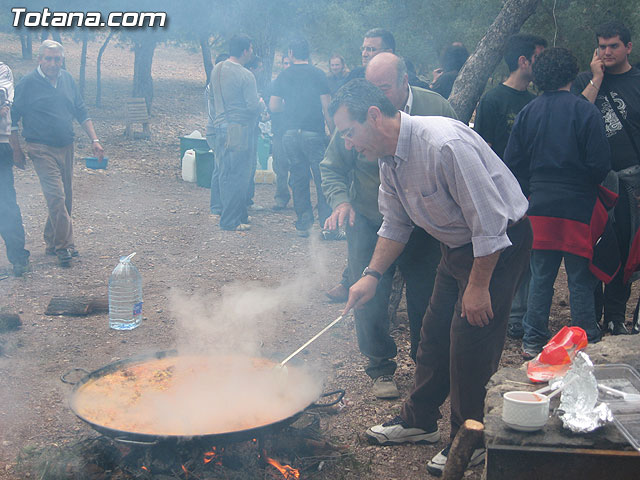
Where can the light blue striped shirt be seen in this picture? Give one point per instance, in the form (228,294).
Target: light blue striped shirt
(447,180)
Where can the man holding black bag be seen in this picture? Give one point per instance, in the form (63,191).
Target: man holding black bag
(236,104)
(613,85)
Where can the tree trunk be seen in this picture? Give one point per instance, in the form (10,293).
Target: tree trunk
(99,69)
(144,46)
(473,76)
(25,42)
(83,62)
(206,56)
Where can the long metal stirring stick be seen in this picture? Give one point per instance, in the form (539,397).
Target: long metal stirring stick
(310,341)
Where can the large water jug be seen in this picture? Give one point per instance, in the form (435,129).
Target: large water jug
(189,166)
(125,295)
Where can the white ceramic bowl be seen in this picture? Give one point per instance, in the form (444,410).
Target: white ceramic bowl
(525,411)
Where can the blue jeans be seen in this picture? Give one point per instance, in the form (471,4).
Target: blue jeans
(11,227)
(215,206)
(253,152)
(519,304)
(234,169)
(305,151)
(418,263)
(544,270)
(281,169)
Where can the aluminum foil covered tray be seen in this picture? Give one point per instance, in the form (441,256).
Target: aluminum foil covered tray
(626,413)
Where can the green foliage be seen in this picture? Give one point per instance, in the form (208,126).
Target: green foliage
(421,27)
(577,20)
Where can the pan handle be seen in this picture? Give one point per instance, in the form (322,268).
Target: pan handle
(340,395)
(135,442)
(63,377)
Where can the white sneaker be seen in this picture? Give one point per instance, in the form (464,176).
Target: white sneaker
(396,431)
(435,466)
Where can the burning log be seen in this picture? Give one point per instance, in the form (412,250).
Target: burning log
(467,439)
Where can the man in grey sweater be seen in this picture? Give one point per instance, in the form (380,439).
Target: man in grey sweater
(235,109)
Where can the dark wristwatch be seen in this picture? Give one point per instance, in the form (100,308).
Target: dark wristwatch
(372,272)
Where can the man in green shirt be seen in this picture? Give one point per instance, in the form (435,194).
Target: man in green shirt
(350,183)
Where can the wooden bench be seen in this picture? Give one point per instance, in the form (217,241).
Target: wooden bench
(136,112)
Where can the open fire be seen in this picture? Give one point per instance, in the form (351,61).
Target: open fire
(287,471)
(213,456)
(286,455)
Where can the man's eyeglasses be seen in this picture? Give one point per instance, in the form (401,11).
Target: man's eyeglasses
(348,133)
(369,49)
(53,59)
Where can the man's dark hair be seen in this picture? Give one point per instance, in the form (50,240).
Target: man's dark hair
(299,48)
(254,63)
(453,58)
(388,42)
(357,96)
(521,44)
(554,68)
(611,29)
(238,44)
(221,58)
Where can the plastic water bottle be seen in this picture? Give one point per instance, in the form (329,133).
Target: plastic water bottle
(125,295)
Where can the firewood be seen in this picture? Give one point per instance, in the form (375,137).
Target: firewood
(468,438)
(9,322)
(77,305)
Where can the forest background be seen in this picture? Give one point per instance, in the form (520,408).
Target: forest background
(422,28)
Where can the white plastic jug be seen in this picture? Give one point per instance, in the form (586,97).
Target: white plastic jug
(189,166)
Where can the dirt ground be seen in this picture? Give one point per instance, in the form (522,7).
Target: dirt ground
(141,204)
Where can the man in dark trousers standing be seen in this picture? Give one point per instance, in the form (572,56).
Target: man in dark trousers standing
(614,86)
(495,115)
(302,93)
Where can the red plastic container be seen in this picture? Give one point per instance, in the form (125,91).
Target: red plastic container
(557,355)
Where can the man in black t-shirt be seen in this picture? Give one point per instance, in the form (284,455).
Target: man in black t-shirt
(302,93)
(614,86)
(498,107)
(495,115)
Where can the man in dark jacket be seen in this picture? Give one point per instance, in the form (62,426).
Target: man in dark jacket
(559,153)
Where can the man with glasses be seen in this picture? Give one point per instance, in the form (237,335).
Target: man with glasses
(438,174)
(47,100)
(376,40)
(351,184)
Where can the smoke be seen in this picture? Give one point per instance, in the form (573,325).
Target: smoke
(244,315)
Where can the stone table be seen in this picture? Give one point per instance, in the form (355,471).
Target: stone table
(555,452)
